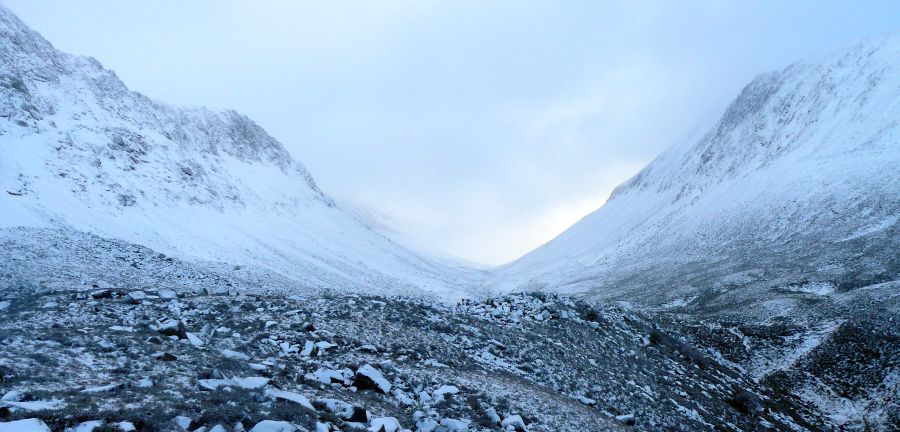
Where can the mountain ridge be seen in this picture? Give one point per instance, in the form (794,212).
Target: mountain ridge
(79,150)
(758,174)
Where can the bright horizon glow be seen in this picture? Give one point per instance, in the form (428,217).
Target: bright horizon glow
(482,130)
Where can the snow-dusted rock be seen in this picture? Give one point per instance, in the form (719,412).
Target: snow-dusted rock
(369,377)
(384,424)
(182,422)
(229,354)
(167,294)
(273,426)
(308,348)
(331,376)
(492,415)
(12,396)
(102,389)
(27,425)
(194,339)
(290,396)
(453,425)
(136,296)
(86,426)
(443,390)
(515,421)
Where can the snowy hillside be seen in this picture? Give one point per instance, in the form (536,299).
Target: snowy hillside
(797,185)
(78,150)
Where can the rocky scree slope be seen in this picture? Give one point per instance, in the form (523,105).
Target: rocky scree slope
(181,360)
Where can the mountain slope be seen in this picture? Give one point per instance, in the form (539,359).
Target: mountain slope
(798,183)
(78,150)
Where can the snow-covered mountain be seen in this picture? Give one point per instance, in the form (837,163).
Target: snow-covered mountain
(797,187)
(79,150)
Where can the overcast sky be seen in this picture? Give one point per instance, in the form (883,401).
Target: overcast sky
(482,128)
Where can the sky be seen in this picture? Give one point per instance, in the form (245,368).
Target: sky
(477,129)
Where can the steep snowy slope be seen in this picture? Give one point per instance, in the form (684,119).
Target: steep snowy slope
(79,150)
(797,185)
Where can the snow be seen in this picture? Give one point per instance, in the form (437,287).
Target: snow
(27,425)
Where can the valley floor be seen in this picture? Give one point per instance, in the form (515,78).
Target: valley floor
(348,362)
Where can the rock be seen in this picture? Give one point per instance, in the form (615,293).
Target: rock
(218,291)
(245,383)
(331,376)
(359,415)
(290,396)
(426,425)
(194,339)
(384,424)
(135,297)
(127,426)
(368,348)
(182,422)
(626,419)
(323,345)
(171,327)
(87,426)
(453,425)
(102,389)
(273,426)
(515,421)
(586,400)
(491,414)
(27,425)
(102,294)
(367,377)
(308,348)
(234,355)
(12,396)
(438,394)
(164,356)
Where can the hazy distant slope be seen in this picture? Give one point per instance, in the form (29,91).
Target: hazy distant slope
(798,182)
(80,150)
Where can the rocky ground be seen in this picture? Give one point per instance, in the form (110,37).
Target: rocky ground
(166,360)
